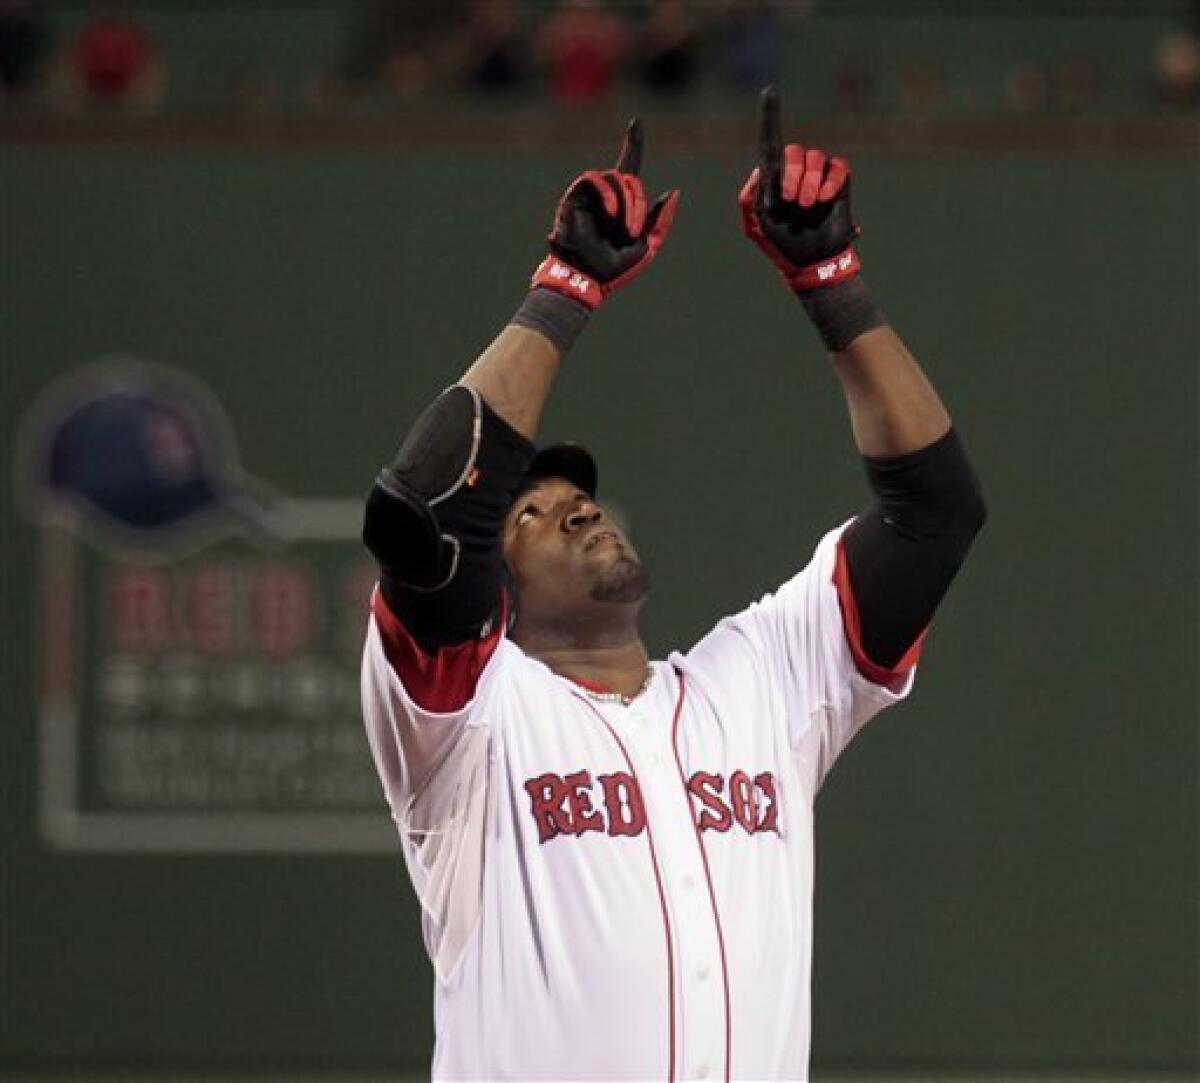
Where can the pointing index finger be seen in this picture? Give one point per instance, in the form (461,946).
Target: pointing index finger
(630,160)
(770,142)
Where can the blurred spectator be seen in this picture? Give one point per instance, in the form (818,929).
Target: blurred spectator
(582,44)
(399,46)
(1177,69)
(494,54)
(24,40)
(112,62)
(752,42)
(668,48)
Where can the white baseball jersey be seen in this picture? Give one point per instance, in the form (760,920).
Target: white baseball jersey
(625,892)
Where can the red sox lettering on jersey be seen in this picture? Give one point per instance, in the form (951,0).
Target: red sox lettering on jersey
(624,891)
(612,804)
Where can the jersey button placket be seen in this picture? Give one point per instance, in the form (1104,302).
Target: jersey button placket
(700,1001)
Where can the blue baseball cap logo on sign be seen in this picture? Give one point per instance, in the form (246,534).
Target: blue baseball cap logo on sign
(136,458)
(141,450)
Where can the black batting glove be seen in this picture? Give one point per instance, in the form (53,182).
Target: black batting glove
(604,234)
(796,207)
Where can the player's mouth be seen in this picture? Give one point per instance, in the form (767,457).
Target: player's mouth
(598,537)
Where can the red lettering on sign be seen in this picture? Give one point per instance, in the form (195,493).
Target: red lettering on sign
(284,610)
(139,612)
(211,609)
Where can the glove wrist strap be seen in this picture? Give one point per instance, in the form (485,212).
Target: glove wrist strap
(827,272)
(554,274)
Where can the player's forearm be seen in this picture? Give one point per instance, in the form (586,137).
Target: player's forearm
(894,409)
(515,373)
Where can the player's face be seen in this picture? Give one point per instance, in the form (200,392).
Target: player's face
(566,554)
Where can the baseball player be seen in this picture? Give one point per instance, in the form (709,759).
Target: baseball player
(613,855)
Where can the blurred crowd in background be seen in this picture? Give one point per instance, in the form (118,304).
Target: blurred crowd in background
(376,55)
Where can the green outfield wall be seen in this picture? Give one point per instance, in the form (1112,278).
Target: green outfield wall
(1007,863)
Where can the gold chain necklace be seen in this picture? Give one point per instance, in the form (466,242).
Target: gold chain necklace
(618,697)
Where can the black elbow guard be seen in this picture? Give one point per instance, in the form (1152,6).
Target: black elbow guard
(443,499)
(404,536)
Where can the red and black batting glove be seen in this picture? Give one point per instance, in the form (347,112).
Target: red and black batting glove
(604,233)
(796,208)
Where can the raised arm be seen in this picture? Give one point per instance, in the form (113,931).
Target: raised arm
(434,516)
(903,552)
(514,374)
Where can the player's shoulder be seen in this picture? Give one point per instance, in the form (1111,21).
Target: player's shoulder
(728,655)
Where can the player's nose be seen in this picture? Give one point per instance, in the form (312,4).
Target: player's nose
(582,515)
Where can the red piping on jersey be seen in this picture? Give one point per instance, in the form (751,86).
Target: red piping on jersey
(440,682)
(662,898)
(712,895)
(850,622)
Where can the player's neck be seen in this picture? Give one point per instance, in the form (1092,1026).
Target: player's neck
(610,668)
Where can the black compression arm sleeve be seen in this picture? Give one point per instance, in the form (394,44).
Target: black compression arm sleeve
(904,551)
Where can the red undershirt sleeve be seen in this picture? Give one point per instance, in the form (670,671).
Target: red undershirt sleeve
(441,682)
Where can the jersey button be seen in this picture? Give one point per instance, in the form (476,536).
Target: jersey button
(703,1071)
(703,971)
(689,881)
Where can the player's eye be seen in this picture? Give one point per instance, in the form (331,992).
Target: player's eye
(526,513)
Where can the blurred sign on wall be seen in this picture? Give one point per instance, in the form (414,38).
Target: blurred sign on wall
(199,633)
